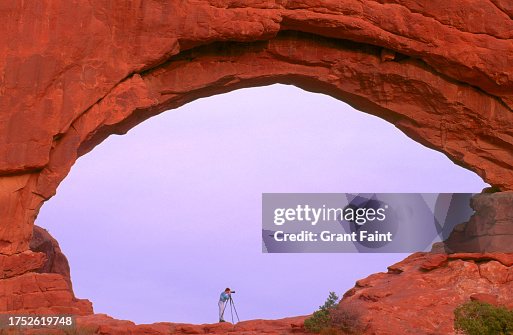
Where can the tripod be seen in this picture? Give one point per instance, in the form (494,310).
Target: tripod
(232,308)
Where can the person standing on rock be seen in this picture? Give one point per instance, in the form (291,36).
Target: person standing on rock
(225,296)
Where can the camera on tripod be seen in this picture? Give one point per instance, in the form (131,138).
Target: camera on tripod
(232,307)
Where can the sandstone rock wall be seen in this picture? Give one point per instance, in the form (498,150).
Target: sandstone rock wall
(418,295)
(73,73)
(489,230)
(38,280)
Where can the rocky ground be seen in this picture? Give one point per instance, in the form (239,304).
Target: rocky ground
(105,325)
(418,295)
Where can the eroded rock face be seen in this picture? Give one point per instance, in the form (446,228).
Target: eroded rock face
(38,280)
(43,243)
(489,230)
(419,294)
(74,73)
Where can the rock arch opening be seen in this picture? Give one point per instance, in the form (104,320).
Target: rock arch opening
(468,125)
(75,73)
(139,215)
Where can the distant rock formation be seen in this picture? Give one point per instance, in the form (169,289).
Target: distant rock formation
(489,230)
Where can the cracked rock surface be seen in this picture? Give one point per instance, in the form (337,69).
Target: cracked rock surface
(73,73)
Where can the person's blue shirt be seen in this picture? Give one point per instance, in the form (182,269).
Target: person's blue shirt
(224,296)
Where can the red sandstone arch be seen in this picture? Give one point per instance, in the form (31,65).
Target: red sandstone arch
(73,74)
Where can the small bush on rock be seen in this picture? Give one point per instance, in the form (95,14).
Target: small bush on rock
(321,319)
(479,318)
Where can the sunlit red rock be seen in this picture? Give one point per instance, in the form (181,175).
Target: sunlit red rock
(74,72)
(441,72)
(413,298)
(106,325)
(38,281)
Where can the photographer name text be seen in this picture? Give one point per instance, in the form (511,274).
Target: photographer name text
(328,236)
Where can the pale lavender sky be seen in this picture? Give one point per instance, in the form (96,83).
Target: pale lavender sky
(156,223)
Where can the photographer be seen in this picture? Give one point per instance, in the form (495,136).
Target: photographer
(225,296)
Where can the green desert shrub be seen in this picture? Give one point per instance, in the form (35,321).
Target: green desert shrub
(332,319)
(478,318)
(321,319)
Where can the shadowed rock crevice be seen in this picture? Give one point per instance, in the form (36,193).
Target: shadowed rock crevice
(37,281)
(56,262)
(489,230)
